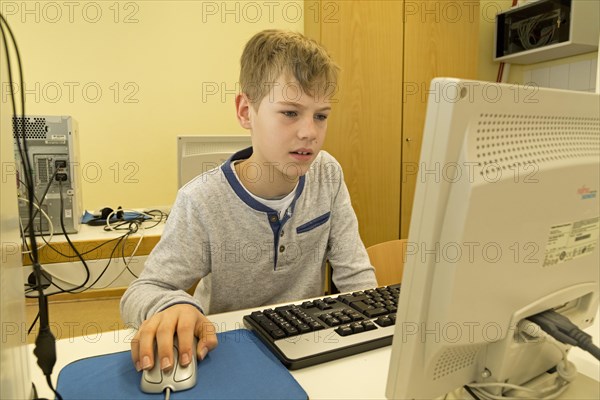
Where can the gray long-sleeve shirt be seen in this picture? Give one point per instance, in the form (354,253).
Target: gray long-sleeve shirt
(244,253)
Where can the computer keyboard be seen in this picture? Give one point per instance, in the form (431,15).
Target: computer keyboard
(328,328)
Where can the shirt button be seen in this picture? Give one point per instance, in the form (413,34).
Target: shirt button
(273,218)
(281,234)
(281,249)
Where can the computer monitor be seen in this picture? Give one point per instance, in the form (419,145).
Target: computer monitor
(199,154)
(15,382)
(504,226)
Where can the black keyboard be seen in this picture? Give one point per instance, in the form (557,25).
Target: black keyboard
(316,331)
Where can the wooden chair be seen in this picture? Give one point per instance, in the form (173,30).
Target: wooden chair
(388,260)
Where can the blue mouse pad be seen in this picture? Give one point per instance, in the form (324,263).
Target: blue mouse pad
(241,367)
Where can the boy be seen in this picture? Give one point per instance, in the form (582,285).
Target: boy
(257,230)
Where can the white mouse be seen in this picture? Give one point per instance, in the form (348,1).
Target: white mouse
(179,378)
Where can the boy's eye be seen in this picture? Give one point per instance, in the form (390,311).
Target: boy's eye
(290,113)
(321,117)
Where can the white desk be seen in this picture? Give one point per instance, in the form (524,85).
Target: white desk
(362,376)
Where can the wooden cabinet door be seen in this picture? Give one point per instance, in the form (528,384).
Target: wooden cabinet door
(440,39)
(365,39)
(388,51)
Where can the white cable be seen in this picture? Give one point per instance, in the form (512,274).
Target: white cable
(114,212)
(50,225)
(488,396)
(127,262)
(506,385)
(528,331)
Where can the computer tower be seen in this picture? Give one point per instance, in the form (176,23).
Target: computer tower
(53,149)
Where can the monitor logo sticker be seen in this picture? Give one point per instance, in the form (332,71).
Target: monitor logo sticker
(586,193)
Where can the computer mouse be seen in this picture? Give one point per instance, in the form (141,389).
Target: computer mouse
(179,378)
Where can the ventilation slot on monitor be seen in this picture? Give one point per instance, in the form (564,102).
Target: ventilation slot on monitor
(453,360)
(505,141)
(35,128)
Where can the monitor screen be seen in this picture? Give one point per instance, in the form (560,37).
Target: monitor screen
(504,226)
(199,154)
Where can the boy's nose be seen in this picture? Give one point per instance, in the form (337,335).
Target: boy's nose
(308,130)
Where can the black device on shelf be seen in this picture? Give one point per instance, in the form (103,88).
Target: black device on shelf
(328,328)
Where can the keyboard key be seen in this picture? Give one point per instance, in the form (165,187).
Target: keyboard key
(346,299)
(369,326)
(361,307)
(344,330)
(277,334)
(322,305)
(384,321)
(257,316)
(308,304)
(357,327)
(289,330)
(354,315)
(315,326)
(376,312)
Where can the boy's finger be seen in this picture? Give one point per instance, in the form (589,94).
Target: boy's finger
(208,337)
(135,352)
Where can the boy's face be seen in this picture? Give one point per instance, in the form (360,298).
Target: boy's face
(288,129)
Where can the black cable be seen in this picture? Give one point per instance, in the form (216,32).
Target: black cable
(58,396)
(39,205)
(123,255)
(41,202)
(62,225)
(84,288)
(48,277)
(106,267)
(85,252)
(562,329)
(23,151)
(468,389)
(33,323)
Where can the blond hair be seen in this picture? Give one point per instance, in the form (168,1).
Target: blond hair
(272,53)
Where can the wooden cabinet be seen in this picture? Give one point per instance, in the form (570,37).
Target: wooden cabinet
(388,52)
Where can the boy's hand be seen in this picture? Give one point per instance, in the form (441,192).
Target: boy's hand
(184,320)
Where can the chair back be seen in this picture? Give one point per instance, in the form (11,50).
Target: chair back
(388,260)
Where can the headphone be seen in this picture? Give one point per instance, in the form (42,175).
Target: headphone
(104,213)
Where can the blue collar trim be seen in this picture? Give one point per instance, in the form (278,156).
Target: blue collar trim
(242,193)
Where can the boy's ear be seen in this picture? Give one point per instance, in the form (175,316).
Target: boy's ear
(242,108)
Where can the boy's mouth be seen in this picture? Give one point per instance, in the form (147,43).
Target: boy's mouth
(302,152)
(302,155)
